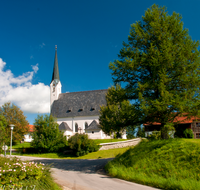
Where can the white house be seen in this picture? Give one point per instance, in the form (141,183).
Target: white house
(76,112)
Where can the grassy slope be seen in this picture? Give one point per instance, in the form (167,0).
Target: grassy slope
(166,164)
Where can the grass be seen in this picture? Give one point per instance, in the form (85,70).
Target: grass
(94,155)
(99,141)
(21,145)
(166,164)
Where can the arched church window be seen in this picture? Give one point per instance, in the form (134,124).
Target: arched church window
(86,125)
(53,89)
(76,127)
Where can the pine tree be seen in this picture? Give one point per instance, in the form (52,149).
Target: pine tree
(159,68)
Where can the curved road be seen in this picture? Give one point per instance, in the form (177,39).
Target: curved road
(85,175)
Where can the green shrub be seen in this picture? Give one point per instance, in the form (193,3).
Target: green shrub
(82,145)
(156,135)
(188,133)
(16,174)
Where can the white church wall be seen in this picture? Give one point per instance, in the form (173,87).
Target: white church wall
(79,120)
(94,134)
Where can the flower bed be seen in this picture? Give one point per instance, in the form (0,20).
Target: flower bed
(16,174)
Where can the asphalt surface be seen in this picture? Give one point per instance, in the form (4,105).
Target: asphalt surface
(85,175)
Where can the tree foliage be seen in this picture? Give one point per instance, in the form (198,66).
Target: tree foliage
(141,131)
(46,135)
(15,116)
(118,114)
(159,68)
(82,145)
(3,124)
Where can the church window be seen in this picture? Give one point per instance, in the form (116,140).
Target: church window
(92,132)
(86,125)
(53,89)
(76,127)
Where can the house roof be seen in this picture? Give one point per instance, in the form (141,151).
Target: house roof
(180,120)
(64,126)
(93,125)
(85,103)
(55,69)
(31,128)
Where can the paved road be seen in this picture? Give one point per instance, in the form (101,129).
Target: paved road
(85,175)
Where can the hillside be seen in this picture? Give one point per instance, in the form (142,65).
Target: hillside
(166,164)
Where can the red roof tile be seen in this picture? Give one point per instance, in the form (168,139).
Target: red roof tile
(181,120)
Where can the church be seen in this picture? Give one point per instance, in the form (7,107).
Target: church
(76,112)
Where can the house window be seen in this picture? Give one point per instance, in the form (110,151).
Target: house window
(86,125)
(198,135)
(76,127)
(197,124)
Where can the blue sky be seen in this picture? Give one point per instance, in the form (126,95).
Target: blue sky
(89,35)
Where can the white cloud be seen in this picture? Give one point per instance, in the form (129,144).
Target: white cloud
(30,98)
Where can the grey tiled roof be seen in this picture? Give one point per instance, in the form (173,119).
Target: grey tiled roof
(85,103)
(63,126)
(93,125)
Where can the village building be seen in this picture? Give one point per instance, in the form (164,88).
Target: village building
(76,112)
(28,136)
(181,123)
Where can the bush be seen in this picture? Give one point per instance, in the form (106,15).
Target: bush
(156,135)
(16,174)
(82,145)
(188,133)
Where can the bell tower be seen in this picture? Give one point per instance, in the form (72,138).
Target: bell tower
(55,85)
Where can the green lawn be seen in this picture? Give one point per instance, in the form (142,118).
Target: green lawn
(99,141)
(166,164)
(22,145)
(94,155)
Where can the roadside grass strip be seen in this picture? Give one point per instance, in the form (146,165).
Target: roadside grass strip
(93,155)
(16,174)
(166,164)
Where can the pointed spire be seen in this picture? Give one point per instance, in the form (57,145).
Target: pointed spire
(55,69)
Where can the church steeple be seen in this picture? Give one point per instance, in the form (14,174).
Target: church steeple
(55,86)
(55,75)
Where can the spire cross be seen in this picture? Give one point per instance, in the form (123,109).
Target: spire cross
(55,46)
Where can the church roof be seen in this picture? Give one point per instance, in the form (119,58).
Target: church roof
(85,103)
(93,125)
(55,69)
(64,126)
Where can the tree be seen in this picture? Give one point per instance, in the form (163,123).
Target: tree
(140,132)
(3,125)
(159,68)
(46,135)
(15,116)
(118,114)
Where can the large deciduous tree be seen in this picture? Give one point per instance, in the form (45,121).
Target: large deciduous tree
(159,68)
(3,125)
(15,116)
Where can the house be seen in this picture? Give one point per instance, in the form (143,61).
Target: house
(76,112)
(182,123)
(28,136)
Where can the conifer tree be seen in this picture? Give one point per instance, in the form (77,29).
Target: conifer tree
(159,68)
